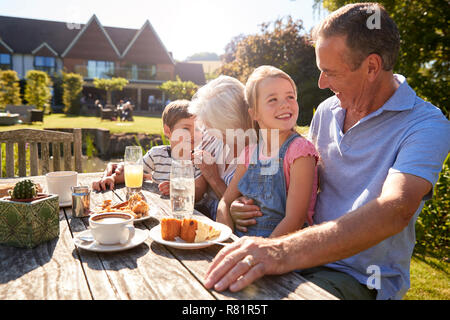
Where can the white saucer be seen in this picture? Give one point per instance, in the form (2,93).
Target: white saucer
(225,233)
(139,237)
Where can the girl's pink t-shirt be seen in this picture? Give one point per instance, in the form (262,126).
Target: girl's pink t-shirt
(300,147)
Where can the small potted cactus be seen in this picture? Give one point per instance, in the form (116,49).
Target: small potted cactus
(25,191)
(28,218)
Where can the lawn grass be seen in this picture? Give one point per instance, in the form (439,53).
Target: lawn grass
(141,124)
(430,279)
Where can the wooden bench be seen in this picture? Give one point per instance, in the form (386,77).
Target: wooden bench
(33,137)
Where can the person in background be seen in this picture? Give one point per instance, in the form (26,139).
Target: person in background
(126,111)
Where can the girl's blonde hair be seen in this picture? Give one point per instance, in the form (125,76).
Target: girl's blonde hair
(251,87)
(220,104)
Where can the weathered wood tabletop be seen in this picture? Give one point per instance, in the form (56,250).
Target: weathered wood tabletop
(59,270)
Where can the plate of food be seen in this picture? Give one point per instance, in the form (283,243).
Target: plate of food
(136,205)
(189,233)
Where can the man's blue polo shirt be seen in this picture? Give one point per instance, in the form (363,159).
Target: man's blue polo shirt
(405,135)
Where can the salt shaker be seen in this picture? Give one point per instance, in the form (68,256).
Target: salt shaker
(80,201)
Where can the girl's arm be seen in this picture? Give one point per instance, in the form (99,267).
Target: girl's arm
(298,199)
(231,194)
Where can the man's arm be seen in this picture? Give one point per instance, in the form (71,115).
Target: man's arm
(352,233)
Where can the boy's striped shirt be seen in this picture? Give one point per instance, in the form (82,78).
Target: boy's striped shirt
(158,161)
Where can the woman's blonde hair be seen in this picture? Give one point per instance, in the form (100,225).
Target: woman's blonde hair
(251,87)
(220,104)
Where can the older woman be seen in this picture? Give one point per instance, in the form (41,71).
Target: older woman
(222,117)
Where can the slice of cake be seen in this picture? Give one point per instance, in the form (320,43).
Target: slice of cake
(197,231)
(170,228)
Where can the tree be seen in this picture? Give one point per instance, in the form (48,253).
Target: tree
(285,45)
(72,87)
(37,89)
(179,89)
(110,85)
(9,88)
(203,56)
(424,44)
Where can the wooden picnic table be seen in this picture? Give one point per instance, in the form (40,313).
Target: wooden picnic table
(59,270)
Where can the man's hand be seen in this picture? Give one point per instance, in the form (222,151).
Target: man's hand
(243,211)
(239,264)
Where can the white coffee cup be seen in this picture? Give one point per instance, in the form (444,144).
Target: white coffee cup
(112,227)
(60,183)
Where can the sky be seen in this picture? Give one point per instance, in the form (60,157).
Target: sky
(184,26)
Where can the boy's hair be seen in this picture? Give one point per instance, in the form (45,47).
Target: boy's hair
(175,111)
(259,74)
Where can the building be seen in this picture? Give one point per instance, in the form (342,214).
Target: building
(209,66)
(94,51)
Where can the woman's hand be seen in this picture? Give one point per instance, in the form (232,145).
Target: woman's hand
(243,212)
(207,164)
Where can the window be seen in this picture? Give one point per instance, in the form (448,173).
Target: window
(46,64)
(100,69)
(147,71)
(5,61)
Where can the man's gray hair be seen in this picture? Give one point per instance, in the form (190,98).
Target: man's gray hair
(352,21)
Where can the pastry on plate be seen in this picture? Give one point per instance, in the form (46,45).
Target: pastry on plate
(170,228)
(190,230)
(193,230)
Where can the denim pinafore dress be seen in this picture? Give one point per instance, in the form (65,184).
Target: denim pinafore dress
(265,183)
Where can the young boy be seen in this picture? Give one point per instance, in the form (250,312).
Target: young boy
(178,125)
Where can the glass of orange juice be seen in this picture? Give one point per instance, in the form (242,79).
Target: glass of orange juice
(134,170)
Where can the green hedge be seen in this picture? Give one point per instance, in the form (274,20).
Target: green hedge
(433,224)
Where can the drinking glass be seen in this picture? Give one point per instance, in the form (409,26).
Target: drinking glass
(182,188)
(134,169)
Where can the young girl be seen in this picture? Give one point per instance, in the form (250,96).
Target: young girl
(283,186)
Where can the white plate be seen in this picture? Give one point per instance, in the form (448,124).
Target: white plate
(152,213)
(225,233)
(139,237)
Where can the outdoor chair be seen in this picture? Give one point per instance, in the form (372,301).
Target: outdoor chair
(107,113)
(31,138)
(36,115)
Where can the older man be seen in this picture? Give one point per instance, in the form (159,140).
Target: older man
(381,148)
